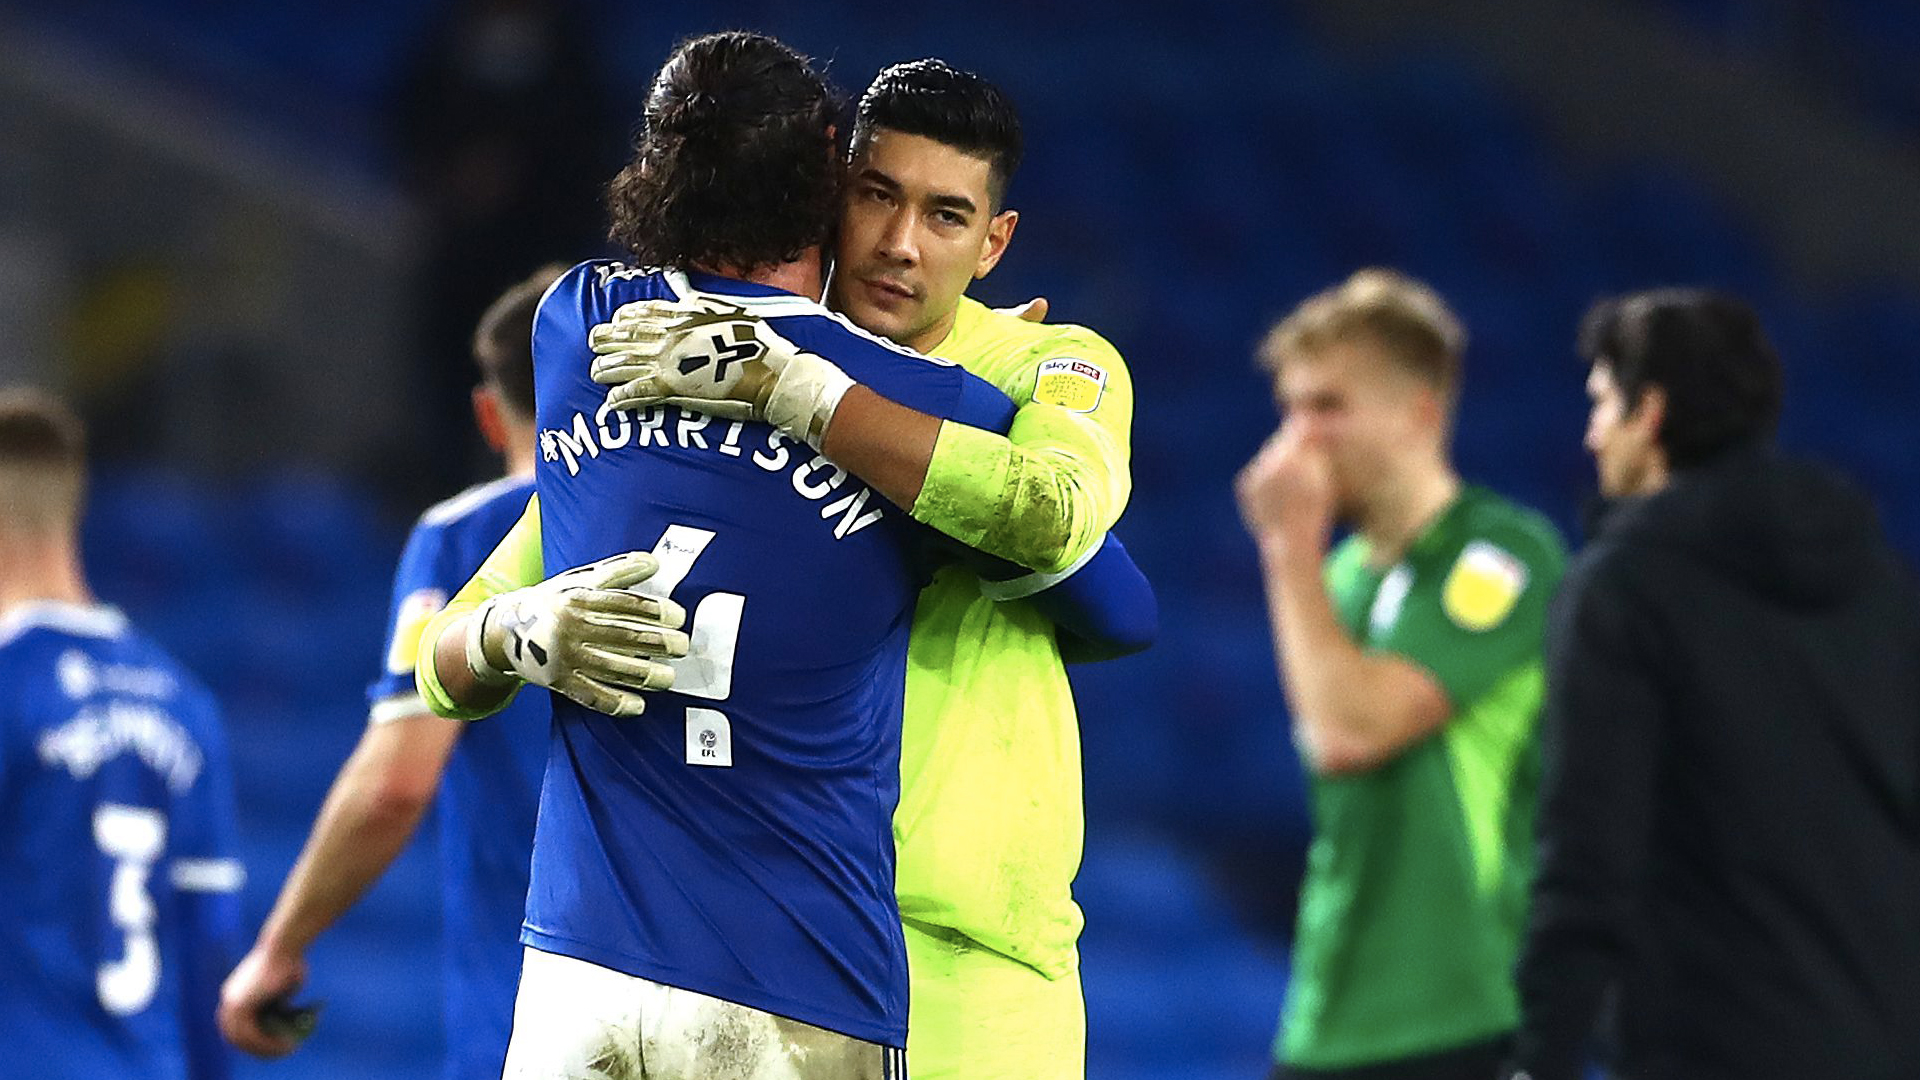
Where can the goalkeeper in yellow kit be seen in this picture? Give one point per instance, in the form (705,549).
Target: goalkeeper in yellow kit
(989,825)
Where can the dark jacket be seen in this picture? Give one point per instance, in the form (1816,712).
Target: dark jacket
(1729,831)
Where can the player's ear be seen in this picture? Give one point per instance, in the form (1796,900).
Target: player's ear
(994,244)
(1650,413)
(487,417)
(1432,407)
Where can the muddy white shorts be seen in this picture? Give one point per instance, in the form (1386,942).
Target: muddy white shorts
(573,1020)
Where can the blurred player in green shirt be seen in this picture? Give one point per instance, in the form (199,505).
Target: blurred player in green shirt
(989,826)
(1412,662)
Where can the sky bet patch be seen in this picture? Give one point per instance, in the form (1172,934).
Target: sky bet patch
(1485,584)
(1070,384)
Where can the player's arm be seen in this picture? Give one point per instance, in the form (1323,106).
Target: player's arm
(1040,495)
(1101,605)
(583,633)
(1353,710)
(1103,608)
(370,813)
(447,685)
(1600,752)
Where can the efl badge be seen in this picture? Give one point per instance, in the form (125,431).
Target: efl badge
(1483,586)
(416,611)
(1070,384)
(709,738)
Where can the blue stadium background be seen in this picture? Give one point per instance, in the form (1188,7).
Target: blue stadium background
(1177,198)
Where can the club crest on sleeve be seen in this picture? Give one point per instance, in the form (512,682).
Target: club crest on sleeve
(1070,383)
(416,611)
(1483,586)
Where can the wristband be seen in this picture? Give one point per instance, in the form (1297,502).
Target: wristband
(477,663)
(805,396)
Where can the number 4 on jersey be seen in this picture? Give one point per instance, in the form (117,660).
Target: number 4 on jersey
(714,626)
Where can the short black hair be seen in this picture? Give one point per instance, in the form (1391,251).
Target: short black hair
(1706,351)
(38,430)
(43,461)
(934,100)
(734,164)
(503,340)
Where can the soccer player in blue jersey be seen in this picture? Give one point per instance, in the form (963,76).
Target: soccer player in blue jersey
(487,776)
(116,798)
(713,880)
(988,831)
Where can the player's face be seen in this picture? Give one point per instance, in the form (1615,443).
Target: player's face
(1367,413)
(917,228)
(1623,440)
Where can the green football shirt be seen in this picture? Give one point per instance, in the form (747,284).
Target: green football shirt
(1415,889)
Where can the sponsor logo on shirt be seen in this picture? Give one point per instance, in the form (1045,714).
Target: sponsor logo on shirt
(80,676)
(1069,383)
(1483,586)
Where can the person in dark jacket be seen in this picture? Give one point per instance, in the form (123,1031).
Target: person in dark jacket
(1729,833)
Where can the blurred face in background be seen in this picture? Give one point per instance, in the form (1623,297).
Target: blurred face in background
(918,227)
(1623,436)
(1375,419)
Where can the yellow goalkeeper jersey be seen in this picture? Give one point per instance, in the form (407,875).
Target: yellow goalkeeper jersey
(990,822)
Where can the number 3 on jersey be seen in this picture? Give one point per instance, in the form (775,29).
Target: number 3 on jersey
(714,626)
(133,837)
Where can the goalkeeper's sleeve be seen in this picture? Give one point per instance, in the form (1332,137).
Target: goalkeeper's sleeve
(1044,494)
(515,563)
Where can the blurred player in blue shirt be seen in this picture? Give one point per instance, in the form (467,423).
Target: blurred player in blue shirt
(116,798)
(487,775)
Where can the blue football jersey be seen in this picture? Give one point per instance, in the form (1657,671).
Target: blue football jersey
(116,797)
(736,840)
(491,787)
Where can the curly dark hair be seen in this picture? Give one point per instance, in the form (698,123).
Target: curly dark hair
(734,167)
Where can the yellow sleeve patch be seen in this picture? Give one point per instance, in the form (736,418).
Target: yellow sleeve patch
(1483,586)
(1075,385)
(416,611)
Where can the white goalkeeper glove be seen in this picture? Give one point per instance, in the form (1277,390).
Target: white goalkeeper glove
(583,633)
(713,357)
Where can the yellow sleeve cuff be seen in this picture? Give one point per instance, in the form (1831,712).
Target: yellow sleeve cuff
(514,563)
(426,676)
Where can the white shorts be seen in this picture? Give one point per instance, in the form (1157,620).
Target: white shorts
(578,1021)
